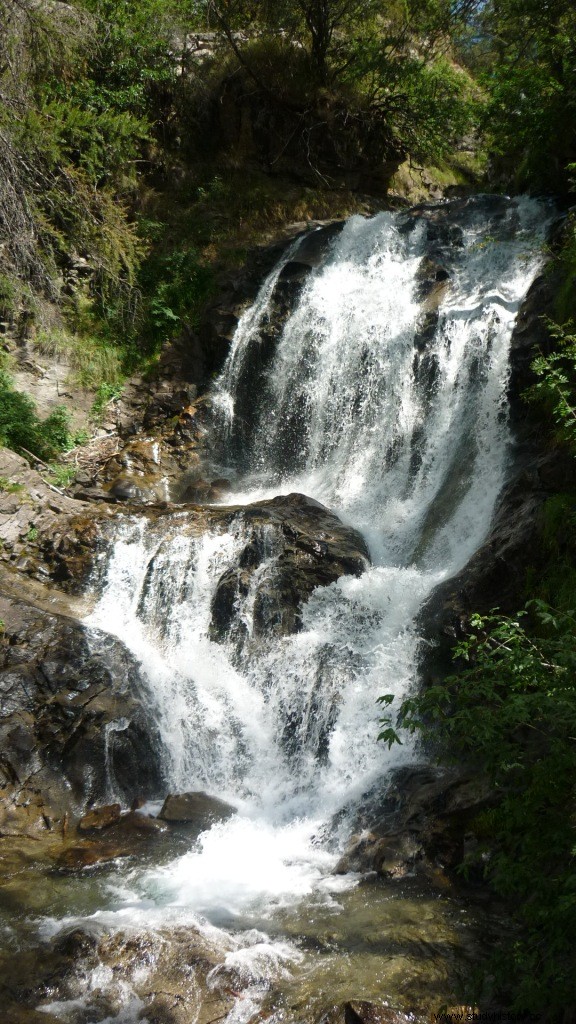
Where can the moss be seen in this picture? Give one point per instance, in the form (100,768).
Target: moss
(9,486)
(9,297)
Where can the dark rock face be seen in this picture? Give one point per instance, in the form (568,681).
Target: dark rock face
(496,575)
(72,728)
(236,291)
(420,826)
(531,334)
(307,547)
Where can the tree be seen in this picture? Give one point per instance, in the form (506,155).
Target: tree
(386,67)
(524,53)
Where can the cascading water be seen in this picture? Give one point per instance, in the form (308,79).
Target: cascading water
(384,398)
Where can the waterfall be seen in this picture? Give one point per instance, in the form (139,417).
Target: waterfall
(383,396)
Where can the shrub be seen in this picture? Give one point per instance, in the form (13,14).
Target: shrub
(21,428)
(511,712)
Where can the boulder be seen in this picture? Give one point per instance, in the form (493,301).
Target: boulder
(196,808)
(99,818)
(311,548)
(423,824)
(136,489)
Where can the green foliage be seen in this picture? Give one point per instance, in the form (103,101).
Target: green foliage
(390,71)
(511,711)
(89,89)
(9,487)
(175,286)
(426,101)
(105,393)
(62,475)
(530,74)
(566,296)
(555,388)
(22,429)
(132,68)
(95,359)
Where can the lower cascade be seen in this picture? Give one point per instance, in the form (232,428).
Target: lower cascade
(361,418)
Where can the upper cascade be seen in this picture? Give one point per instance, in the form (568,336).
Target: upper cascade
(382,392)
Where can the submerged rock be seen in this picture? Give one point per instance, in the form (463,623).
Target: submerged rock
(361,1011)
(167,976)
(87,855)
(195,808)
(123,836)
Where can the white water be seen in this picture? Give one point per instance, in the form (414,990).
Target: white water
(410,448)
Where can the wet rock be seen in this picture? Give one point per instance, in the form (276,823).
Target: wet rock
(219,489)
(75,944)
(236,291)
(133,824)
(305,546)
(124,836)
(197,492)
(422,825)
(99,818)
(431,283)
(360,1011)
(393,857)
(88,855)
(315,245)
(496,574)
(167,972)
(135,489)
(26,1015)
(195,808)
(72,727)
